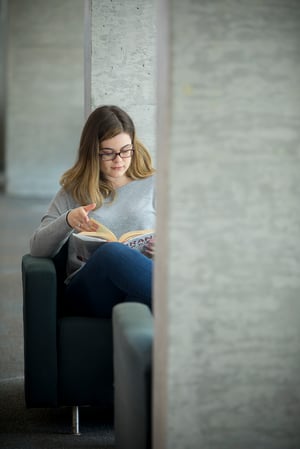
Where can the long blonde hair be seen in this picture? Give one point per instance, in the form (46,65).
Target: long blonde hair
(84,180)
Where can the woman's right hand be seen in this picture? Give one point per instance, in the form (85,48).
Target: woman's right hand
(79,220)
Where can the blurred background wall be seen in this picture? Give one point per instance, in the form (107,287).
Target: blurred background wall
(44,92)
(59,60)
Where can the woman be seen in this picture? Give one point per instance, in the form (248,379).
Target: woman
(112,181)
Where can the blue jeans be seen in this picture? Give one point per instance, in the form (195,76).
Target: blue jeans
(113,274)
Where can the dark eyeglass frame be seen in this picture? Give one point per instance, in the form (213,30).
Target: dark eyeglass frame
(111,155)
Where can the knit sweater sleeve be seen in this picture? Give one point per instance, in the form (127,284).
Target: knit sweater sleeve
(53,230)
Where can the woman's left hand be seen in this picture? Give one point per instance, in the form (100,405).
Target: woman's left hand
(149,249)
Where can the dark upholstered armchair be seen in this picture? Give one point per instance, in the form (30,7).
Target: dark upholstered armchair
(68,359)
(132,340)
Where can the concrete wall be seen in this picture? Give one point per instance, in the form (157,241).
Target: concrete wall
(45,94)
(45,81)
(227,304)
(122,65)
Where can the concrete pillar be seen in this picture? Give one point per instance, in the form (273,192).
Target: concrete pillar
(3,44)
(121,61)
(227,299)
(45,95)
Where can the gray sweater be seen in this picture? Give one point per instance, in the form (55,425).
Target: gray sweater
(133,208)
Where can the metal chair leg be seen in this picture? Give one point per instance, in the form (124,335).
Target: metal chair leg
(75,420)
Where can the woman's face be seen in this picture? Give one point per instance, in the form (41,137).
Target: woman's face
(114,167)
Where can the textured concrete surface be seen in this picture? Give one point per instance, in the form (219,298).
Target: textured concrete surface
(231,323)
(123,61)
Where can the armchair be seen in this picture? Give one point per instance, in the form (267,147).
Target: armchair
(132,343)
(68,360)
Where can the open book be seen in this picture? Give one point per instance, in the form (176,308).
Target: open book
(87,242)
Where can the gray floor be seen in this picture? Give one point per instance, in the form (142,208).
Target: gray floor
(21,428)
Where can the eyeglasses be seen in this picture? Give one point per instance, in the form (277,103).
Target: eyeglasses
(109,155)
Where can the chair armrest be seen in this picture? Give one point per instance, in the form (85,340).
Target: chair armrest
(132,340)
(40,327)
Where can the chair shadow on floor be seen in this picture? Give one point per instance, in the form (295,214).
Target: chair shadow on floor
(48,428)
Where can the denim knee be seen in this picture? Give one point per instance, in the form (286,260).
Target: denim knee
(111,248)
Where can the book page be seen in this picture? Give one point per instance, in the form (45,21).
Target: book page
(103,232)
(89,237)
